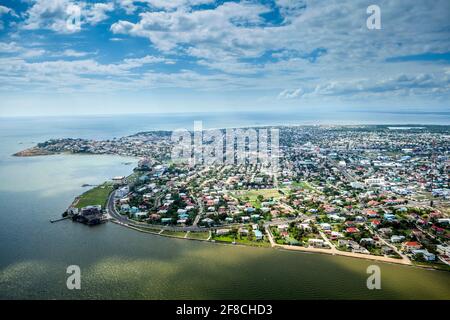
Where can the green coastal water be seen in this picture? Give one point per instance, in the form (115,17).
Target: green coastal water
(117,262)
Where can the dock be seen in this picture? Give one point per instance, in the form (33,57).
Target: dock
(60,219)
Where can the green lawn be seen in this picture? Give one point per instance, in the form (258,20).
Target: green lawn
(95,196)
(252,195)
(198,235)
(179,234)
(243,240)
(303,185)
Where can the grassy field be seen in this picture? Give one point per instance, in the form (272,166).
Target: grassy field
(243,240)
(179,234)
(198,235)
(252,195)
(95,196)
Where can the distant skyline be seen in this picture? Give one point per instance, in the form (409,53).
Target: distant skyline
(148,56)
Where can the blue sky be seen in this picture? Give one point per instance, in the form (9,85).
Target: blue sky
(127,56)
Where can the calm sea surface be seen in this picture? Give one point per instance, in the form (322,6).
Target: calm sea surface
(117,262)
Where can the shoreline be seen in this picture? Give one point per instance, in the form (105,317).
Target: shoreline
(159,231)
(35,151)
(330,252)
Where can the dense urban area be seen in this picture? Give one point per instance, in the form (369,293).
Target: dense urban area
(373,192)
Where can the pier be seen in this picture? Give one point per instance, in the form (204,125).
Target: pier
(59,219)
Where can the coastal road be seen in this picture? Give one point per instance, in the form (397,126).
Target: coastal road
(132,224)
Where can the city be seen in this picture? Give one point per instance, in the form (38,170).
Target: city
(373,192)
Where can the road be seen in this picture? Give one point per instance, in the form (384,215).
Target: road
(334,251)
(113,214)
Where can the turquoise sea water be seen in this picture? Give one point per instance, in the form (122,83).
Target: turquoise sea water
(120,263)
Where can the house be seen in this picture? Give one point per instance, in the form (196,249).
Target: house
(119,180)
(386,250)
(318,243)
(369,241)
(411,245)
(208,221)
(325,226)
(258,234)
(427,256)
(335,217)
(437,229)
(343,243)
(395,238)
(243,231)
(335,235)
(305,226)
(221,232)
(385,231)
(140,215)
(154,217)
(89,215)
(352,230)
(444,250)
(375,223)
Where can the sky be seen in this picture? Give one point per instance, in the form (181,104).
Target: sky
(67,57)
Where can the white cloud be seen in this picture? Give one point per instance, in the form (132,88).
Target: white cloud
(9,47)
(98,12)
(219,27)
(290,94)
(74,53)
(14,48)
(6,10)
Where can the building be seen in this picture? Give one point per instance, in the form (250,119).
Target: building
(411,245)
(119,180)
(258,234)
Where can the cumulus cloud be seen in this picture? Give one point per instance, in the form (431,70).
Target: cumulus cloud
(222,27)
(98,12)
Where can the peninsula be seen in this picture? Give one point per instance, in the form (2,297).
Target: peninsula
(371,192)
